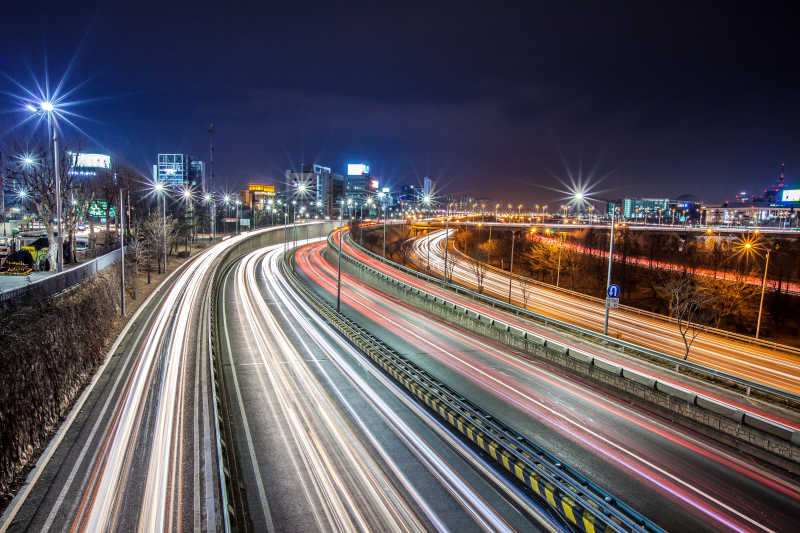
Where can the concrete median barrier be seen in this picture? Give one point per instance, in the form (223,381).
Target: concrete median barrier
(705,415)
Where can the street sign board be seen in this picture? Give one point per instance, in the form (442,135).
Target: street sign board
(229,220)
(613,291)
(244,222)
(612,303)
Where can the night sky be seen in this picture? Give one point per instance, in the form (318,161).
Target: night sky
(494,101)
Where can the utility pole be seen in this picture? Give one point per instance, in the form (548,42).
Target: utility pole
(511,266)
(122,252)
(761,303)
(211,184)
(610,261)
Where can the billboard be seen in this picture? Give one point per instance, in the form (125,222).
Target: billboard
(91,160)
(357,169)
(791,195)
(257,187)
(373,184)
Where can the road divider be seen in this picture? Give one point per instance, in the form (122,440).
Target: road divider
(233,501)
(752,434)
(574,499)
(730,381)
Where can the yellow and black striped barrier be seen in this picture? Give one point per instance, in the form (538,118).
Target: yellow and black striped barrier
(575,500)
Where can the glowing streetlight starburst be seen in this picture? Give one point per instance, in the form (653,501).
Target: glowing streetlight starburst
(748,245)
(45,103)
(579,190)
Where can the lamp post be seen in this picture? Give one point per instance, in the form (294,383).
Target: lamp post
(427,201)
(238,220)
(339,261)
(511,266)
(558,268)
(187,195)
(381,195)
(761,302)
(122,253)
(47,108)
(446,239)
(160,189)
(610,261)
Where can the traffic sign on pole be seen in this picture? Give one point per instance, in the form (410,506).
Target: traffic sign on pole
(613,291)
(612,303)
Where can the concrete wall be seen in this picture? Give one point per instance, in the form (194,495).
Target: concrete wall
(773,443)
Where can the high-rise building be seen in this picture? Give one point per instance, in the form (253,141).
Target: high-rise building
(172,170)
(427,187)
(257,195)
(359,183)
(177,170)
(197,174)
(317,187)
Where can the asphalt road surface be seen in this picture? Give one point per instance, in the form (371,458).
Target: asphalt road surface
(678,478)
(757,363)
(325,441)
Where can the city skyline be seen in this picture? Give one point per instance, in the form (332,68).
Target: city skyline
(497,98)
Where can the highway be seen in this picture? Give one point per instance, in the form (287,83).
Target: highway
(680,479)
(326,442)
(769,412)
(138,451)
(750,361)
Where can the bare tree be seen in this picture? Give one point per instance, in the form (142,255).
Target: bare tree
(452,262)
(687,303)
(524,288)
(732,300)
(36,175)
(479,270)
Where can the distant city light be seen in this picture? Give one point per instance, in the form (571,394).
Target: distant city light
(47,106)
(357,169)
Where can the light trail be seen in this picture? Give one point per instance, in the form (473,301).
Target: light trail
(749,361)
(629,438)
(311,415)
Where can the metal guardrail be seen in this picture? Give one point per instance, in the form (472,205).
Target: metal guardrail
(578,501)
(59,282)
(748,385)
(642,312)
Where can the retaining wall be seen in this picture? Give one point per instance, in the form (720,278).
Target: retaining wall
(761,438)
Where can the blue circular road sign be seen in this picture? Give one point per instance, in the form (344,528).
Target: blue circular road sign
(612,291)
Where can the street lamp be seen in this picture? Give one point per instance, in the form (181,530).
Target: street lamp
(381,195)
(511,265)
(47,107)
(238,204)
(161,191)
(610,261)
(761,302)
(339,259)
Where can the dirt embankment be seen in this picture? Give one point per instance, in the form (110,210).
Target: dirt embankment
(48,353)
